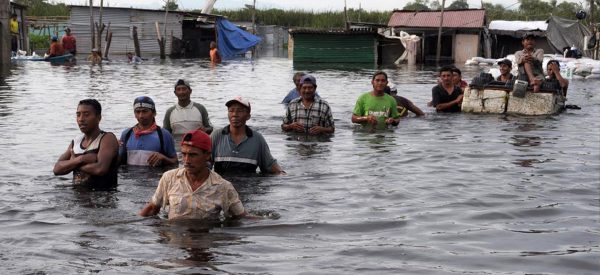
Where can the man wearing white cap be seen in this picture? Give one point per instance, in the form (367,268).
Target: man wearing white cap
(239,149)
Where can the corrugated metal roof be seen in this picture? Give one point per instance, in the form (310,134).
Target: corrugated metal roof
(474,18)
(331,31)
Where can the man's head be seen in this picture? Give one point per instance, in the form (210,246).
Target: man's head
(195,150)
(54,38)
(296,78)
(13,16)
(308,87)
(528,41)
(89,114)
(391,89)
(456,76)
(183,90)
(238,111)
(213,44)
(445,74)
(144,110)
(379,82)
(505,66)
(552,67)
(68,30)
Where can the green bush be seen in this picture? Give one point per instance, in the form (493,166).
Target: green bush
(38,42)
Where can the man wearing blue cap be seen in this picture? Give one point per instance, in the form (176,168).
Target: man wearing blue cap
(56,49)
(308,114)
(146,144)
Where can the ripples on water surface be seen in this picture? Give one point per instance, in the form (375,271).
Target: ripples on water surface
(458,193)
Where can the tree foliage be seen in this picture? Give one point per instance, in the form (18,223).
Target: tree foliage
(170,5)
(417,5)
(459,5)
(44,8)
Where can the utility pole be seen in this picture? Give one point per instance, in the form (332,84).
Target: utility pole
(439,41)
(346,24)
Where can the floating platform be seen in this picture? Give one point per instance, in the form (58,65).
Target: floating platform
(502,101)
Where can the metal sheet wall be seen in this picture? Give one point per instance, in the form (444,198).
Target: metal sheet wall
(121,22)
(326,48)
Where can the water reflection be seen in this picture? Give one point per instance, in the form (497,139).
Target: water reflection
(194,238)
(525,141)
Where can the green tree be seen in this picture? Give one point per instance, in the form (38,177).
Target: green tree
(536,9)
(43,8)
(459,5)
(417,5)
(171,5)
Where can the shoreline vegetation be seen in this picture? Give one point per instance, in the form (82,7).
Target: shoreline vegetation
(525,10)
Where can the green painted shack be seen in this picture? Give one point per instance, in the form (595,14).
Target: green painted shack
(333,46)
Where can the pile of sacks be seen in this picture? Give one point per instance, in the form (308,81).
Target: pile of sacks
(571,68)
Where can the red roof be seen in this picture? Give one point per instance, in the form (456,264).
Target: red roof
(431,19)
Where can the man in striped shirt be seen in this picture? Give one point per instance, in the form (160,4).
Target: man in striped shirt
(308,114)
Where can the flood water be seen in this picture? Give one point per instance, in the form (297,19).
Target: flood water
(442,194)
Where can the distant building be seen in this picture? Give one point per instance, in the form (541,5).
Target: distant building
(506,36)
(333,46)
(186,36)
(461,35)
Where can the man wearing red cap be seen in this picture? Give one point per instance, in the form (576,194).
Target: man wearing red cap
(239,149)
(194,191)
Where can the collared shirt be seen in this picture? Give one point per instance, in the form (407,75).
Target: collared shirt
(180,120)
(317,114)
(252,152)
(214,196)
(293,94)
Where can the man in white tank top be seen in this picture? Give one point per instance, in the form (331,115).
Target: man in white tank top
(91,156)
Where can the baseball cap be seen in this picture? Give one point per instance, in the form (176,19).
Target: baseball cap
(506,62)
(94,50)
(183,82)
(143,102)
(308,78)
(67,29)
(198,139)
(54,38)
(240,100)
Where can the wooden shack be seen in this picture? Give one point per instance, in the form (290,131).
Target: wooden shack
(461,32)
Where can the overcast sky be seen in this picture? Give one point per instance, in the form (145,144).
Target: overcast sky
(314,5)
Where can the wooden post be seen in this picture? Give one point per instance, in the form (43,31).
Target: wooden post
(136,42)
(92,34)
(439,41)
(100,28)
(5,47)
(108,40)
(161,41)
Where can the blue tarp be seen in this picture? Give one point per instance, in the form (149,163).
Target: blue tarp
(232,40)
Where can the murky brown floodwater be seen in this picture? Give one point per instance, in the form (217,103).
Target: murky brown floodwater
(461,193)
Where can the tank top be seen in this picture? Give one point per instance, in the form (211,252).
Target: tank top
(79,177)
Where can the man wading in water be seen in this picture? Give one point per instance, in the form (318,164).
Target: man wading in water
(92,156)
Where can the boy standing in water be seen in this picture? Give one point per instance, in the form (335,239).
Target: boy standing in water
(376,108)
(91,156)
(215,58)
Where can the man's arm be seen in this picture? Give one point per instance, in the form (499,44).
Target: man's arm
(413,108)
(65,164)
(370,119)
(167,120)
(448,105)
(208,128)
(109,147)
(276,169)
(150,209)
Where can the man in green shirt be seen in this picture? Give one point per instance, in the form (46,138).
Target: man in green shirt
(376,108)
